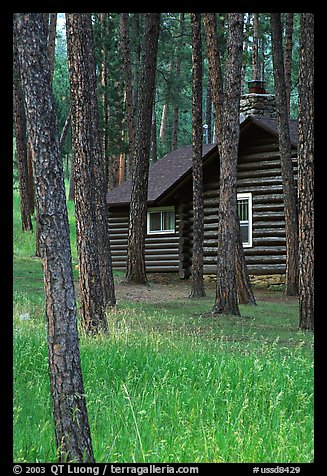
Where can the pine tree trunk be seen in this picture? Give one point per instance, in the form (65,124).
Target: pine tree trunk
(290,209)
(306,172)
(154,148)
(21,146)
(52,41)
(209,112)
(197,283)
(126,55)
(136,272)
(245,292)
(214,71)
(89,173)
(255,50)
(226,288)
(288,58)
(163,123)
(174,140)
(68,396)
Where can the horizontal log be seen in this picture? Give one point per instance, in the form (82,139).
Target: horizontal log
(269,240)
(267,215)
(266,269)
(267,207)
(252,269)
(162,269)
(268,232)
(156,246)
(162,238)
(271,198)
(244,182)
(118,216)
(116,229)
(256,250)
(117,243)
(162,257)
(265,250)
(213,193)
(259,173)
(269,224)
(271,163)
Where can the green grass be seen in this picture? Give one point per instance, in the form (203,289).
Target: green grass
(170,383)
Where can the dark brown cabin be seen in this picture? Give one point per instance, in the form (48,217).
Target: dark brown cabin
(168,246)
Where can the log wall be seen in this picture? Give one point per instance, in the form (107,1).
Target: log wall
(162,251)
(259,172)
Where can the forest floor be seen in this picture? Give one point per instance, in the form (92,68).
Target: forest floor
(165,288)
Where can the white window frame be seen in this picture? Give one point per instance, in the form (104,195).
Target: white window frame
(248,197)
(159,210)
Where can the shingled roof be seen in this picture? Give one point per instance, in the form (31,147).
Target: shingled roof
(163,175)
(173,167)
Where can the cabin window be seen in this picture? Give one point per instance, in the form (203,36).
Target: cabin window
(161,220)
(244,208)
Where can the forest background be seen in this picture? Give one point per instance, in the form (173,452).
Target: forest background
(172,116)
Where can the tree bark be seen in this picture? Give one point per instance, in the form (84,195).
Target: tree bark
(288,58)
(255,48)
(21,145)
(136,272)
(245,292)
(52,41)
(126,54)
(96,282)
(290,208)
(306,172)
(216,79)
(174,141)
(66,383)
(197,283)
(226,289)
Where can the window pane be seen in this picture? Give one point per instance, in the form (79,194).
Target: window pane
(243,209)
(155,221)
(245,232)
(168,220)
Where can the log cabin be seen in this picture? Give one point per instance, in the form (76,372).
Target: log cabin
(168,246)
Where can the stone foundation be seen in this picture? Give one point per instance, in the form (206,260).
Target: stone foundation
(263,281)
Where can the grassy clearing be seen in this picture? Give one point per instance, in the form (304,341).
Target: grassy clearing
(169,383)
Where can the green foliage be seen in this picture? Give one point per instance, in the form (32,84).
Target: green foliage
(169,383)
(159,393)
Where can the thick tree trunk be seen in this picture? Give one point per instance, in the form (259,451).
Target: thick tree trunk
(290,208)
(136,272)
(214,71)
(68,396)
(96,283)
(21,146)
(306,172)
(245,292)
(226,290)
(197,283)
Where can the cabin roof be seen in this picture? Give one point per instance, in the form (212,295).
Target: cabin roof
(174,166)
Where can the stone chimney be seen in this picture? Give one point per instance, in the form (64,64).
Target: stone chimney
(257,102)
